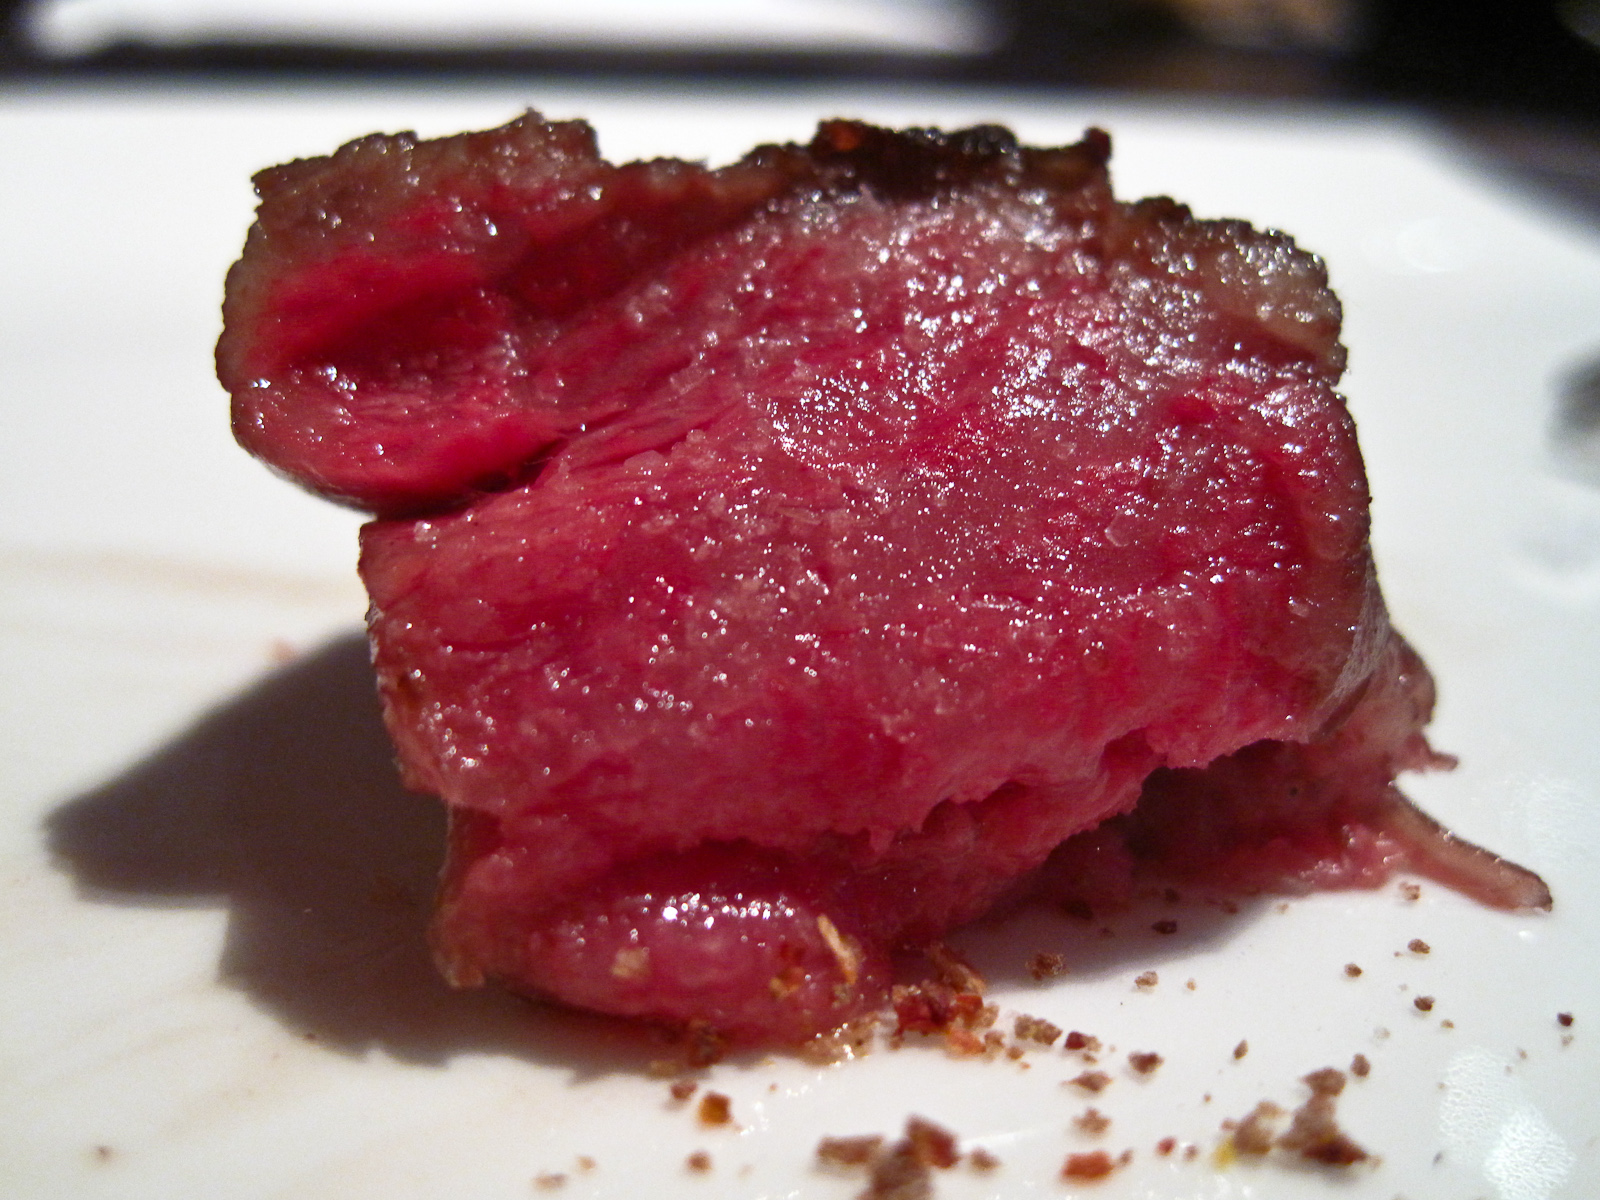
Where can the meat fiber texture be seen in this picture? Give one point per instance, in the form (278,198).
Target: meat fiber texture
(774,565)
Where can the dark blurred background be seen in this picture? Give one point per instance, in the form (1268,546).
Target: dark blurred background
(1517,79)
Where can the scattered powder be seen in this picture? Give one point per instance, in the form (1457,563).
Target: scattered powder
(954,971)
(1045,965)
(715,1109)
(1145,1061)
(1092,1121)
(1096,1164)
(850,1151)
(981,1159)
(1036,1029)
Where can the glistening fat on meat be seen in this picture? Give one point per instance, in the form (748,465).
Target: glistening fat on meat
(773,565)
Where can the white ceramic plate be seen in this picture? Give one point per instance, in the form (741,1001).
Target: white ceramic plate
(212,981)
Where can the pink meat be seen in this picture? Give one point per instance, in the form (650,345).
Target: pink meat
(776,564)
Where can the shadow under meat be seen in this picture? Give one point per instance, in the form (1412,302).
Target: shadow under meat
(284,804)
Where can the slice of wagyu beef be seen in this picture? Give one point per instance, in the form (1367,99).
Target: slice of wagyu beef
(773,566)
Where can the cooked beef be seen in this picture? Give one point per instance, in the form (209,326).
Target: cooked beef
(775,564)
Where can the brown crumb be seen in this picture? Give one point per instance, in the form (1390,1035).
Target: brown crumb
(1036,1029)
(682,1089)
(1047,965)
(1241,1049)
(1360,1067)
(1165,926)
(850,1040)
(954,971)
(715,1109)
(1253,1135)
(550,1181)
(1145,1061)
(1411,891)
(963,1043)
(1092,1121)
(1091,1081)
(1096,1164)
(850,1151)
(1191,985)
(1191,1152)
(1166,1146)
(981,1159)
(1314,1132)
(897,1174)
(1146,980)
(1423,1003)
(698,1161)
(1447,1023)
(103,1153)
(1327,1081)
(1014,1052)
(1564,1020)
(1082,1041)
(1353,971)
(935,1007)
(585,1163)
(903,1171)
(1418,946)
(932,1144)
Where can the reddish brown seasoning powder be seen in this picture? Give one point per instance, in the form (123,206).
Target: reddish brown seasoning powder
(715,1109)
(849,1151)
(1096,1164)
(981,1159)
(1036,1029)
(1145,1061)
(1092,1121)
(1045,965)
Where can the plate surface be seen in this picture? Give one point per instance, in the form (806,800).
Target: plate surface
(212,979)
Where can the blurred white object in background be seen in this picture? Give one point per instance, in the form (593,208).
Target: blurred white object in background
(76,28)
